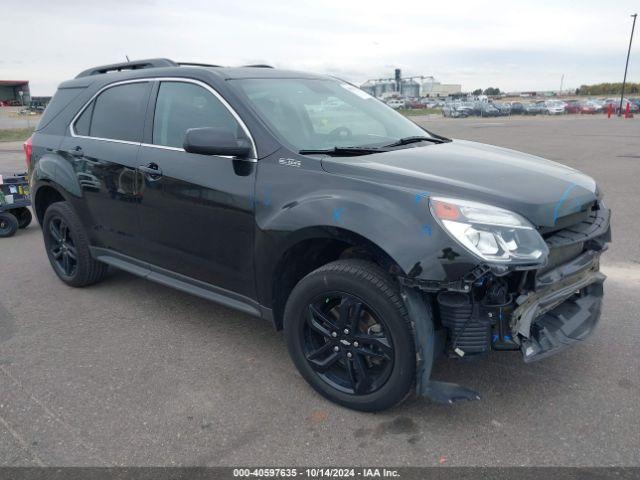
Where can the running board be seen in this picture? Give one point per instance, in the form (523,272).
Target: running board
(181,282)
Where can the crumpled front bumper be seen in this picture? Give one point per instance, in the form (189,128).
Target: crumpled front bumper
(564,310)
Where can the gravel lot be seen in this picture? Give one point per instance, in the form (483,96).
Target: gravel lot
(132,373)
(9,118)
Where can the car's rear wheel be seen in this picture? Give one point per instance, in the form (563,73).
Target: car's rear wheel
(67,247)
(349,335)
(8,224)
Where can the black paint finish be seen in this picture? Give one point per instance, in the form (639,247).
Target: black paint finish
(230,223)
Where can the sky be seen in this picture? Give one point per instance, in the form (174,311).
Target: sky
(513,45)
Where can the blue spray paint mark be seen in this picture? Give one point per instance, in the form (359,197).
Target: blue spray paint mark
(337,212)
(564,196)
(495,337)
(420,196)
(576,206)
(266,200)
(426,230)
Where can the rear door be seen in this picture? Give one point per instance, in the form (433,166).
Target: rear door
(197,212)
(103,147)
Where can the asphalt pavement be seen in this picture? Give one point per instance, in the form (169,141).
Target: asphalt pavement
(128,372)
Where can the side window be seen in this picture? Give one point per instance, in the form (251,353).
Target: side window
(83,122)
(181,106)
(117,113)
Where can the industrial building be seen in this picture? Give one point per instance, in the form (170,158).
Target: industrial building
(409,87)
(432,88)
(15,91)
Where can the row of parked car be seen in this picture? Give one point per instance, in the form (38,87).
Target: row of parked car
(10,103)
(460,108)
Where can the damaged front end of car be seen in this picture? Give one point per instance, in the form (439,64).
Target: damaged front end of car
(539,308)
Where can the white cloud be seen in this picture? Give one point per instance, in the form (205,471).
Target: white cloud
(513,45)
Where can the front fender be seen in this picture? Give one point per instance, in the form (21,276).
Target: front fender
(291,200)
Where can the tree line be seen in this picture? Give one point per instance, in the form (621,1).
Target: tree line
(608,89)
(487,91)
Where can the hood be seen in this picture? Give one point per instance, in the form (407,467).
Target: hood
(541,190)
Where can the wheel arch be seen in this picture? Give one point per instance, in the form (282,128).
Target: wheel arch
(312,247)
(45,194)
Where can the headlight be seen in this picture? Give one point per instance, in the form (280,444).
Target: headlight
(491,233)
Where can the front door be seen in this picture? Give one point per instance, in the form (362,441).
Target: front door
(102,151)
(197,212)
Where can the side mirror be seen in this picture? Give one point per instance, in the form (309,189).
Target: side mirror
(215,141)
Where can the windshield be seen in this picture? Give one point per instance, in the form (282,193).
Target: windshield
(315,114)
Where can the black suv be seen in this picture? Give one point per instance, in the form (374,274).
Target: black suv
(375,244)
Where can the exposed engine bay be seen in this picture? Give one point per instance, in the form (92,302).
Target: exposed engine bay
(538,311)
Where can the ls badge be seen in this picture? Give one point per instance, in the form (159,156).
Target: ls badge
(289,162)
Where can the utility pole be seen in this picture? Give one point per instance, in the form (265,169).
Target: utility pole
(635,15)
(561,83)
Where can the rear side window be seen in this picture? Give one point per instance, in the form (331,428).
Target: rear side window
(117,113)
(181,106)
(84,121)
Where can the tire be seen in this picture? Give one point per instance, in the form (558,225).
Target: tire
(361,381)
(24,216)
(67,247)
(8,224)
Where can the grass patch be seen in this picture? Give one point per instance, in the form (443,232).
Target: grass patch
(412,112)
(15,134)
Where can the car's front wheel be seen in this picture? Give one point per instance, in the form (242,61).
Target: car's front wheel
(67,247)
(349,335)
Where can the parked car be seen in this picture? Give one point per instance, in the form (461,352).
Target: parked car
(504,109)
(615,105)
(590,107)
(396,103)
(485,109)
(554,107)
(414,103)
(534,108)
(373,243)
(573,106)
(456,110)
(517,108)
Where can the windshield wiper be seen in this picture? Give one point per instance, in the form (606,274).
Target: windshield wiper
(416,139)
(348,151)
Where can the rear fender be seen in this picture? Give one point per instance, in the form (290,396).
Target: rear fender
(52,168)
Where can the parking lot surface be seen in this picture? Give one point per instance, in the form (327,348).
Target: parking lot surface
(129,372)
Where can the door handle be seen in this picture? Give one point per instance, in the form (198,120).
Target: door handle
(152,170)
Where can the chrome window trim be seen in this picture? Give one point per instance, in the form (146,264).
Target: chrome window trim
(254,150)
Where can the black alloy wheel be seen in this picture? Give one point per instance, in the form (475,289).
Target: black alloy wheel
(349,334)
(68,248)
(62,248)
(347,343)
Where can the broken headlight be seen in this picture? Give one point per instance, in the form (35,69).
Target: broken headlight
(491,233)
